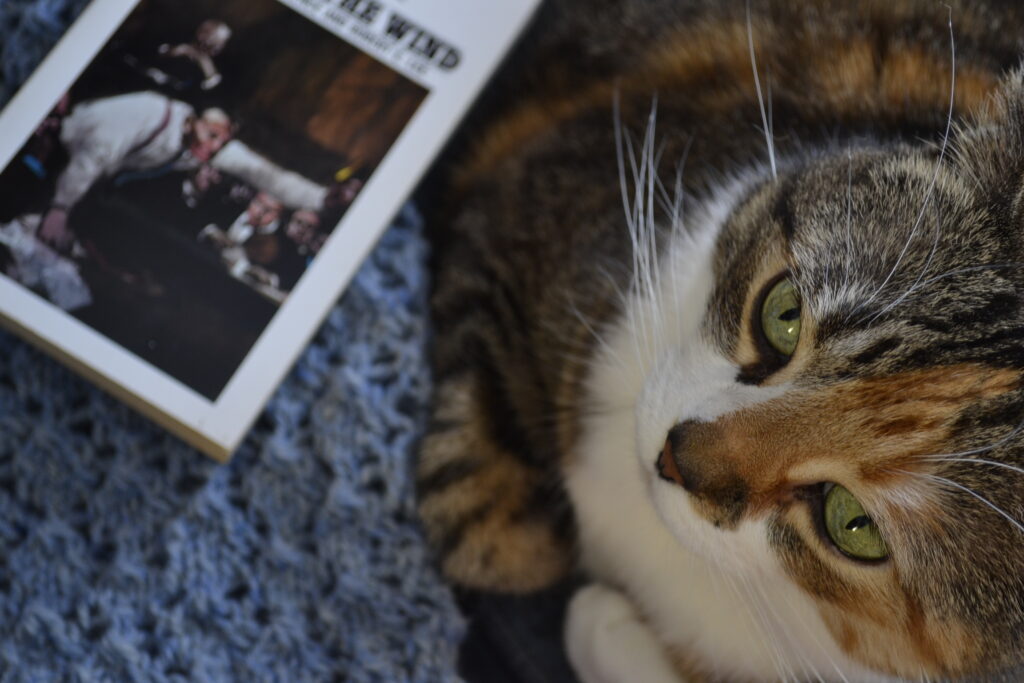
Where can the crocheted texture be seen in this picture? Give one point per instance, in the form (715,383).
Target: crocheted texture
(28,29)
(126,555)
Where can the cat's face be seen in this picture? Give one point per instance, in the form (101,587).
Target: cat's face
(845,409)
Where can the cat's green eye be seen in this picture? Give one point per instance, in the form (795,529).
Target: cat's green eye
(850,528)
(780,317)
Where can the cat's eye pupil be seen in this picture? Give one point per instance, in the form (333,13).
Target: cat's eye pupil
(850,528)
(780,317)
(858,522)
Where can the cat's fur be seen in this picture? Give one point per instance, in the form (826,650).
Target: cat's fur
(600,285)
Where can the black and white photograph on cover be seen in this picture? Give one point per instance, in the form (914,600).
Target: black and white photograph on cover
(177,192)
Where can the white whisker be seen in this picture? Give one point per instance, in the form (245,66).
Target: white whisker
(848,258)
(650,242)
(930,191)
(958,271)
(977,461)
(760,99)
(768,629)
(983,499)
(621,142)
(981,449)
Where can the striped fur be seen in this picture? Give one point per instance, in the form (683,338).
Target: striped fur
(598,287)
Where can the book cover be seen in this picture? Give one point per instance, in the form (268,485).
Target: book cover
(188,185)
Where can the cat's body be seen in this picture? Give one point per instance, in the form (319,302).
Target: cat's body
(605,394)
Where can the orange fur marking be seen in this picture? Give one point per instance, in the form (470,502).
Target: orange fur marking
(907,642)
(852,432)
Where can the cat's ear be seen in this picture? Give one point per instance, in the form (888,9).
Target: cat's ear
(988,147)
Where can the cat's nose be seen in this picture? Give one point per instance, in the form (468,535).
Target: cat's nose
(672,459)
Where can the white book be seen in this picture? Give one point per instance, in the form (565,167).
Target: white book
(186,187)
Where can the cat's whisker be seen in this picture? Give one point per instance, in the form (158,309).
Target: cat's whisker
(668,202)
(741,587)
(949,482)
(640,218)
(646,281)
(981,449)
(585,353)
(976,461)
(716,586)
(848,256)
(760,98)
(931,186)
(771,121)
(769,628)
(680,191)
(640,278)
(580,352)
(613,282)
(813,634)
(956,271)
(785,634)
(730,583)
(677,236)
(623,143)
(651,159)
(772,633)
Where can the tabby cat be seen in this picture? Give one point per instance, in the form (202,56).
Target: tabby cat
(730,320)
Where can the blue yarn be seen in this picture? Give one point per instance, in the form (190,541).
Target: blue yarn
(28,29)
(127,556)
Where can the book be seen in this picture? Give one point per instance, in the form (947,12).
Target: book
(187,186)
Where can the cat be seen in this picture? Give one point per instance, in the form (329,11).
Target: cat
(729,319)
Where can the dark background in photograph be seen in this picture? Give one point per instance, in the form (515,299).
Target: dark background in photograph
(299,95)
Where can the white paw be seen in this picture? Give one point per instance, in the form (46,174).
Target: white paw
(608,643)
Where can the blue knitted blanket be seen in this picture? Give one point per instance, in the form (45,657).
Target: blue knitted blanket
(127,556)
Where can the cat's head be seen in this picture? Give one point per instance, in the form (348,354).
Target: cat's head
(844,402)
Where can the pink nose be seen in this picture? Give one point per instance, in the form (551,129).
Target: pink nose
(667,467)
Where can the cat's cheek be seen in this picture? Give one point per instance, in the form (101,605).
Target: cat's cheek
(744,550)
(673,507)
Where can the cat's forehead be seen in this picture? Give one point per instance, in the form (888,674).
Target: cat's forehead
(889,218)
(893,252)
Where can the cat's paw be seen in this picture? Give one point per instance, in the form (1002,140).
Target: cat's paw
(608,643)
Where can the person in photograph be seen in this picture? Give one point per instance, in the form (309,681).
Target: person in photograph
(276,261)
(341,193)
(302,229)
(262,216)
(349,190)
(250,243)
(152,60)
(298,247)
(199,184)
(293,189)
(33,172)
(211,38)
(141,133)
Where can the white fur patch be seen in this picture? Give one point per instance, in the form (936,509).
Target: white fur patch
(607,642)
